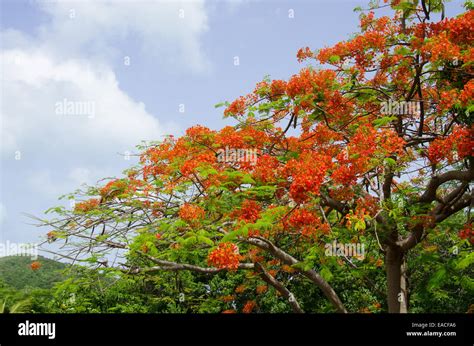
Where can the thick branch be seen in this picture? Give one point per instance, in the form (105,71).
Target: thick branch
(387,186)
(341,208)
(460,205)
(416,234)
(174,266)
(268,278)
(311,274)
(430,193)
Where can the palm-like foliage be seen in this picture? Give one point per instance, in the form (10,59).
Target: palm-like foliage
(19,307)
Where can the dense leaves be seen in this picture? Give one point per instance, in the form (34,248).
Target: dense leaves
(372,147)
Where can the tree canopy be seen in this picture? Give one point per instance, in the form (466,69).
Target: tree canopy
(340,182)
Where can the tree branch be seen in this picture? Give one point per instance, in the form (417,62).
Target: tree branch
(279,287)
(174,266)
(430,193)
(311,274)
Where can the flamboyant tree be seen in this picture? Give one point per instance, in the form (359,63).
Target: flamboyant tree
(374,147)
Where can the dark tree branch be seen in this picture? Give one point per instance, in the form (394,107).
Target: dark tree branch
(174,266)
(279,287)
(430,193)
(416,234)
(460,205)
(311,274)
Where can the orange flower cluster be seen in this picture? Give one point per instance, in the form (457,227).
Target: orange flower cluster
(52,236)
(199,133)
(307,177)
(249,212)
(458,145)
(225,256)
(237,107)
(460,28)
(249,306)
(345,174)
(467,95)
(304,53)
(441,48)
(247,137)
(278,87)
(373,38)
(307,223)
(308,81)
(266,169)
(35,265)
(189,166)
(302,217)
(288,269)
(240,289)
(85,206)
(191,212)
(228,299)
(366,144)
(467,233)
(114,188)
(369,205)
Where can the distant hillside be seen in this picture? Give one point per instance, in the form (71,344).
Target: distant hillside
(16,272)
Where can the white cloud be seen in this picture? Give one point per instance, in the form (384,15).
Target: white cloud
(71,58)
(53,183)
(167,31)
(35,85)
(74,60)
(3,213)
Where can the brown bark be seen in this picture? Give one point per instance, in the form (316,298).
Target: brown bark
(285,292)
(393,267)
(311,274)
(404,287)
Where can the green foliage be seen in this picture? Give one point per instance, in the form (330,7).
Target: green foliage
(15,271)
(441,272)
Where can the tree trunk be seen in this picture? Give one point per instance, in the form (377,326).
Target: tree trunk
(404,287)
(393,267)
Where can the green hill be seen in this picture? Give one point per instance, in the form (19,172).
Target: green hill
(15,271)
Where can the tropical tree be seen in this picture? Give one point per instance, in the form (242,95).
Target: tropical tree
(373,148)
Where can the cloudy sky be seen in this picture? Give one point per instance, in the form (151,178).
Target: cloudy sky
(134,70)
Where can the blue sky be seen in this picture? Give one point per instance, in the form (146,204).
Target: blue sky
(180,53)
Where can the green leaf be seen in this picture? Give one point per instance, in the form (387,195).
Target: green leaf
(205,240)
(384,121)
(221,104)
(403,50)
(437,279)
(234,234)
(247,179)
(326,274)
(389,161)
(465,262)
